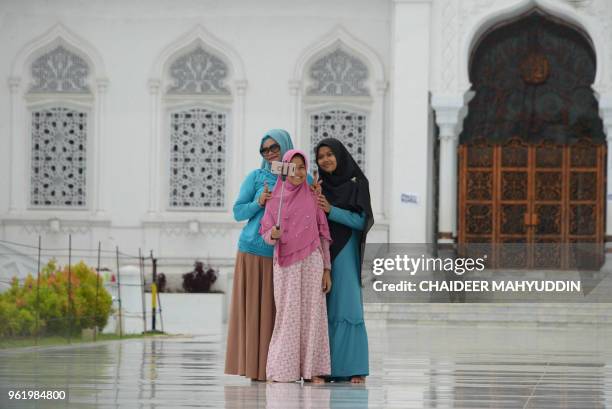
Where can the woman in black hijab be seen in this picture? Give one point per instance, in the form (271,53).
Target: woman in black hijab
(345,198)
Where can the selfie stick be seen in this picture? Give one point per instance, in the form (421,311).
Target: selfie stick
(283,169)
(281,201)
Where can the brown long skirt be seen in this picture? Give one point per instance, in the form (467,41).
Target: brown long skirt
(251,318)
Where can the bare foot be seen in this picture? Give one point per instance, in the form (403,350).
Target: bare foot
(317,379)
(358,379)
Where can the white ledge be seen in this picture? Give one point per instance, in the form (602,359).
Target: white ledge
(68,217)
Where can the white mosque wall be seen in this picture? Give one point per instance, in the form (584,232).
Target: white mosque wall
(129,41)
(416,53)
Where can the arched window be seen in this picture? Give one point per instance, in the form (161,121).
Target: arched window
(197,102)
(59,129)
(337,101)
(338,88)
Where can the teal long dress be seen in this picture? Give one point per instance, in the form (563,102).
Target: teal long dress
(347,332)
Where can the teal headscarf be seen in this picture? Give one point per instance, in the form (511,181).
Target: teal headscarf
(284,140)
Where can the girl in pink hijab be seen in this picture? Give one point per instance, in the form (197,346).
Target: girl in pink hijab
(299,347)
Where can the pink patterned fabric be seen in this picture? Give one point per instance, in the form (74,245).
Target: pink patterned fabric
(302,221)
(324,248)
(299,347)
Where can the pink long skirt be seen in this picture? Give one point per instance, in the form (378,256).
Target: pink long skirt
(299,347)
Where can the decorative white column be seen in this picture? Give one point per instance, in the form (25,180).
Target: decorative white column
(154,85)
(14,161)
(447,115)
(238,142)
(296,111)
(100,148)
(410,170)
(377,150)
(605,109)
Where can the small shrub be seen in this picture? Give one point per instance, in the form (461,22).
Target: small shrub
(18,305)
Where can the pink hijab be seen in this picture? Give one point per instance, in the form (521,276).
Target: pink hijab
(302,221)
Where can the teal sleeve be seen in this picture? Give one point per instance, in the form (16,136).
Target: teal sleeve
(350,219)
(246,205)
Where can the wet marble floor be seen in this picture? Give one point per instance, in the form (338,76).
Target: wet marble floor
(411,367)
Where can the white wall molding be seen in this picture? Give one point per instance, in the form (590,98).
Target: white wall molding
(53,223)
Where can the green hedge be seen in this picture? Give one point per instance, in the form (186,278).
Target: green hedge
(18,304)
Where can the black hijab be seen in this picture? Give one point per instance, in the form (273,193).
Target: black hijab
(346,188)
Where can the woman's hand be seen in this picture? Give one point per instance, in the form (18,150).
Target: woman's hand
(316,183)
(265,196)
(323,203)
(327,283)
(276,233)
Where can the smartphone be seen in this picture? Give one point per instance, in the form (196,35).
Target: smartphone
(282,168)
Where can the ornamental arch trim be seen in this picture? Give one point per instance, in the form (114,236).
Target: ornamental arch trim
(483,22)
(199,37)
(340,38)
(59,35)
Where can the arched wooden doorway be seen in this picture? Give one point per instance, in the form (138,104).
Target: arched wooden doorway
(532,150)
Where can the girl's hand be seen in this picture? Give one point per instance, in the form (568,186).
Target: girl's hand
(276,233)
(316,183)
(327,283)
(323,203)
(265,196)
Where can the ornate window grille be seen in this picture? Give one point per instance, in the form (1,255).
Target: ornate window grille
(197,159)
(59,71)
(348,127)
(198,72)
(59,158)
(338,74)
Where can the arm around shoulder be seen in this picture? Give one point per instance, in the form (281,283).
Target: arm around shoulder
(354,220)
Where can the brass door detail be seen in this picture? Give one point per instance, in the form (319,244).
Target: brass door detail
(527,204)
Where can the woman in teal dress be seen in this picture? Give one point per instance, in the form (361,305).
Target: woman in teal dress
(345,198)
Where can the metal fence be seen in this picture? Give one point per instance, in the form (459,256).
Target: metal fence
(108,265)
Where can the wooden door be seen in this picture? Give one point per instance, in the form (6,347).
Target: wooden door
(533,205)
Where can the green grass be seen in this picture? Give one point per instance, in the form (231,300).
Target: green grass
(58,340)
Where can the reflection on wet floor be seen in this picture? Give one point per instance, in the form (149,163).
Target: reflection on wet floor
(411,367)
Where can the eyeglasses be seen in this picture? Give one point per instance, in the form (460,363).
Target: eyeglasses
(274,148)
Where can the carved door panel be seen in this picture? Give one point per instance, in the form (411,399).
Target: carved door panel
(512,201)
(533,206)
(548,206)
(477,208)
(585,208)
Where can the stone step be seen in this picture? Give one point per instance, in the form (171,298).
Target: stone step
(493,314)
